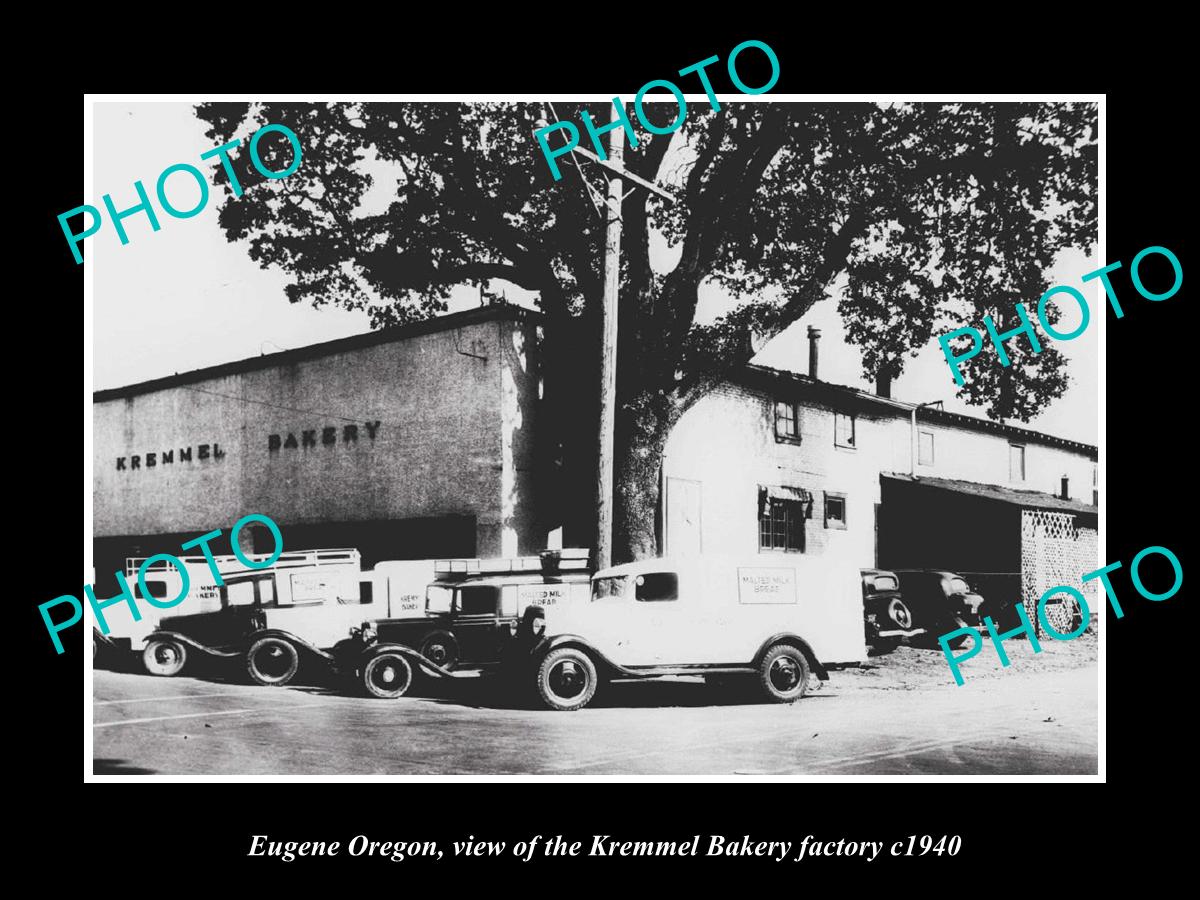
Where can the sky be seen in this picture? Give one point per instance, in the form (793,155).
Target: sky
(183,297)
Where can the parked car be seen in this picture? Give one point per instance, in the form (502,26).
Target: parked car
(769,622)
(470,618)
(886,618)
(936,601)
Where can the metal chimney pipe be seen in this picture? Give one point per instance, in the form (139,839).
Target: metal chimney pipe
(814,338)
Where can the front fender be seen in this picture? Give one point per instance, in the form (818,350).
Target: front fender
(290,638)
(409,653)
(795,640)
(195,645)
(549,644)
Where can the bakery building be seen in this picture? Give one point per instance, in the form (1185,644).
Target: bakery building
(404,443)
(773,462)
(423,441)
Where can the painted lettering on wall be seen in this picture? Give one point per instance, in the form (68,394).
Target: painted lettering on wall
(156,458)
(327,436)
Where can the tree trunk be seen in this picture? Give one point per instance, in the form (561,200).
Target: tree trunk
(643,425)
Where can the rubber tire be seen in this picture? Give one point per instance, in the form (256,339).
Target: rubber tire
(293,662)
(547,665)
(378,690)
(773,693)
(170,670)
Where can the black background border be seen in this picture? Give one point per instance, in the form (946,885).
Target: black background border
(1033,827)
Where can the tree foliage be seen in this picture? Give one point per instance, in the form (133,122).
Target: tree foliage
(934,213)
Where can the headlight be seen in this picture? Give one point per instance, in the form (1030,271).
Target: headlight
(538,627)
(368,634)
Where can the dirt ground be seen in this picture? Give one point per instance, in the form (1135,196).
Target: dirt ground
(914,668)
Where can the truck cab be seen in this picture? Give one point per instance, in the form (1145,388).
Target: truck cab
(472,609)
(778,621)
(302,606)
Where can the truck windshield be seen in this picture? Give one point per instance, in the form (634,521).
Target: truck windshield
(614,586)
(437,598)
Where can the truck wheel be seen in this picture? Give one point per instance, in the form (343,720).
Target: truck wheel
(387,675)
(900,613)
(441,649)
(164,657)
(272,661)
(783,673)
(566,679)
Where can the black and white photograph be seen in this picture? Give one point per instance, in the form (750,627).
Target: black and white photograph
(715,434)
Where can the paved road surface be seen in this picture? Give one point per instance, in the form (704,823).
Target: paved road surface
(1042,722)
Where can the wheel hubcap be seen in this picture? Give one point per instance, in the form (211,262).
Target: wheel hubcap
(785,674)
(273,661)
(388,676)
(568,680)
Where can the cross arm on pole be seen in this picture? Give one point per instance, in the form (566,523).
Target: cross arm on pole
(625,173)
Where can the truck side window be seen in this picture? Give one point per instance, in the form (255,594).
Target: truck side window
(657,586)
(158,589)
(478,600)
(239,594)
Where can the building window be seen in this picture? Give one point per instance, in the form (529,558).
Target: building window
(925,448)
(1016,462)
(1095,486)
(781,524)
(843,430)
(835,510)
(787,421)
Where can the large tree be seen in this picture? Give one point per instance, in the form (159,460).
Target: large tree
(936,214)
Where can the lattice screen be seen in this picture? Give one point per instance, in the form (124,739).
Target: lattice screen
(1055,551)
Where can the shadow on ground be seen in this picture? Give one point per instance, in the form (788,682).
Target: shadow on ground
(117,767)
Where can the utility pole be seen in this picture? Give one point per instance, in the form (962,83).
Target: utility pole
(616,175)
(608,351)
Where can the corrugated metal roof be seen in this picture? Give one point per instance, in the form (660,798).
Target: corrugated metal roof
(1028,499)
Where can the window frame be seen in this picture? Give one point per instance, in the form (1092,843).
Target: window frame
(853,445)
(921,433)
(790,527)
(788,437)
(1024,463)
(838,524)
(640,580)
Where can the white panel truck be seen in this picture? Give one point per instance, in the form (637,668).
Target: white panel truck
(300,607)
(772,621)
(468,622)
(204,596)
